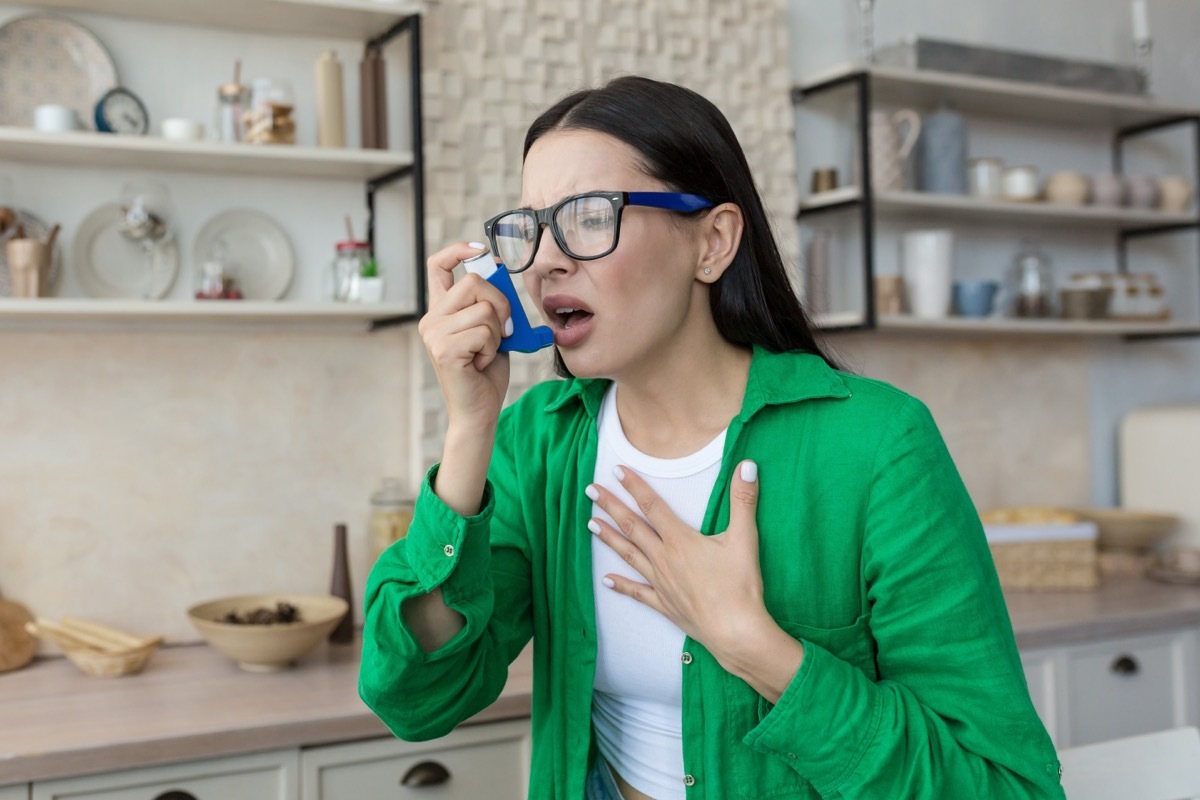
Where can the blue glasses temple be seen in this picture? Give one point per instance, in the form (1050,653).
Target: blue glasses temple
(672,201)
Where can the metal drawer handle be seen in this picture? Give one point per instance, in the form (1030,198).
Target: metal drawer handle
(175,794)
(1125,665)
(427,773)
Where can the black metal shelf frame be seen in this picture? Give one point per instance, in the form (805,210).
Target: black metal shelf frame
(861,82)
(410,25)
(1121,137)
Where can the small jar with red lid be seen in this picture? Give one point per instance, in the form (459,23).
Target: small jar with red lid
(347,270)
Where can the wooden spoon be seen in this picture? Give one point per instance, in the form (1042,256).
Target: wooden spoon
(17,646)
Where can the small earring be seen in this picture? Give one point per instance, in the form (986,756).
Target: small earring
(708,270)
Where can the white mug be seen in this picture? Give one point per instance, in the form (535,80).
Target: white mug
(55,119)
(182,130)
(928,269)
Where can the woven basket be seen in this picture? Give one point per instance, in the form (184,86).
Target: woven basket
(1046,565)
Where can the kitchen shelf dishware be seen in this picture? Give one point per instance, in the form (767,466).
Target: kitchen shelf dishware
(1127,117)
(109,266)
(51,60)
(267,647)
(255,245)
(36,228)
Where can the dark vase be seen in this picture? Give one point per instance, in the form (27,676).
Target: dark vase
(340,587)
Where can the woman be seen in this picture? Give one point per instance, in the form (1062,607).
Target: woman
(785,590)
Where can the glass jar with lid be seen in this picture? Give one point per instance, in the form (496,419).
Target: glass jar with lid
(391,514)
(233,102)
(1031,282)
(271,117)
(349,265)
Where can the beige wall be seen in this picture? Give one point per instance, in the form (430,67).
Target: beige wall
(142,471)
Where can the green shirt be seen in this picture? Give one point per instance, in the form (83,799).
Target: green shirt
(872,556)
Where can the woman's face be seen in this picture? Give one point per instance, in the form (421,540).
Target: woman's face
(633,306)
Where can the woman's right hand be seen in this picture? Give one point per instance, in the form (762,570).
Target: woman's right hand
(461,332)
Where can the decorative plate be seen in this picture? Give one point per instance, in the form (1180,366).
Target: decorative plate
(47,60)
(110,266)
(35,228)
(257,250)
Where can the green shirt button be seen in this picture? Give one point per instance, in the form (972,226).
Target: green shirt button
(686,658)
(792,756)
(688,780)
(448,550)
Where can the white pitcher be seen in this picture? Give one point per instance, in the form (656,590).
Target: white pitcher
(893,137)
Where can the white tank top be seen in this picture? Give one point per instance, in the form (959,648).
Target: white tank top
(638,698)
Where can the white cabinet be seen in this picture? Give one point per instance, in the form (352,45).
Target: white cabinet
(1132,686)
(19,791)
(1117,687)
(261,776)
(489,761)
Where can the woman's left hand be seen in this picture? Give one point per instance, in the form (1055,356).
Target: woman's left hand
(710,586)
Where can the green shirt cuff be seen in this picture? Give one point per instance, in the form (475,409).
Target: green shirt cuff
(445,548)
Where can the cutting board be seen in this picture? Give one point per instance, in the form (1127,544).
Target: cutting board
(1159,451)
(17,645)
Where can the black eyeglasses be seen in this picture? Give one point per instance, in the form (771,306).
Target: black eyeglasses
(585,226)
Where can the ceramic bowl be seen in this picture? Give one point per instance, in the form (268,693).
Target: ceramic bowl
(1127,529)
(267,648)
(1109,190)
(1068,188)
(1175,194)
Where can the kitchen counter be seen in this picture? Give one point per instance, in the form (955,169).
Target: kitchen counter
(193,703)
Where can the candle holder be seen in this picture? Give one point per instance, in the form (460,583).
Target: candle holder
(866,13)
(1143,49)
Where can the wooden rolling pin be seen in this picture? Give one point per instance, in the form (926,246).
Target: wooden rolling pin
(73,632)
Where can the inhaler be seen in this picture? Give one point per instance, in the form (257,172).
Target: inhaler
(524,338)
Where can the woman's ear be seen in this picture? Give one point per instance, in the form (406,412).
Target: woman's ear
(721,229)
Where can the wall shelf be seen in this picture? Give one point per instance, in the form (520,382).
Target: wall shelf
(44,312)
(943,206)
(996,97)
(87,149)
(993,326)
(348,19)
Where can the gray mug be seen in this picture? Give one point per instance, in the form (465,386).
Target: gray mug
(942,153)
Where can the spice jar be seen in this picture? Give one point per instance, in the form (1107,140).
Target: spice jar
(391,514)
(347,270)
(271,118)
(233,101)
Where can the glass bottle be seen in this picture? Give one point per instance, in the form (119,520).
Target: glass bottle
(341,586)
(1032,282)
(391,514)
(271,118)
(349,266)
(229,120)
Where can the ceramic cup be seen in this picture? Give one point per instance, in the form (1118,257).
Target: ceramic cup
(975,298)
(1068,188)
(1175,194)
(928,267)
(1109,190)
(1021,184)
(985,178)
(1143,192)
(55,119)
(28,266)
(182,130)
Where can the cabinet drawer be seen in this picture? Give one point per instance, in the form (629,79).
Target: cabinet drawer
(478,761)
(1124,688)
(261,776)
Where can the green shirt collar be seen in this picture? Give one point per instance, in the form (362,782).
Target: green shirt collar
(775,378)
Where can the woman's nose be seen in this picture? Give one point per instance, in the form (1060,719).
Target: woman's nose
(549,258)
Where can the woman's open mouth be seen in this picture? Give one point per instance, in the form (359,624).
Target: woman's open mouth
(570,319)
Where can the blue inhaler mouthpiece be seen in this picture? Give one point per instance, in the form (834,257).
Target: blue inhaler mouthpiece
(524,339)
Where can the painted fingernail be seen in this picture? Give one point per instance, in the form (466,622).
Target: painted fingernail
(508,327)
(749,471)
(592,492)
(477,245)
(609,582)
(620,473)
(593,526)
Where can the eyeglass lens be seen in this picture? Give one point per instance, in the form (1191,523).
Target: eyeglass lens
(585,227)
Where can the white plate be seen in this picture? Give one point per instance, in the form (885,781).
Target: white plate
(110,266)
(47,60)
(35,228)
(256,248)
